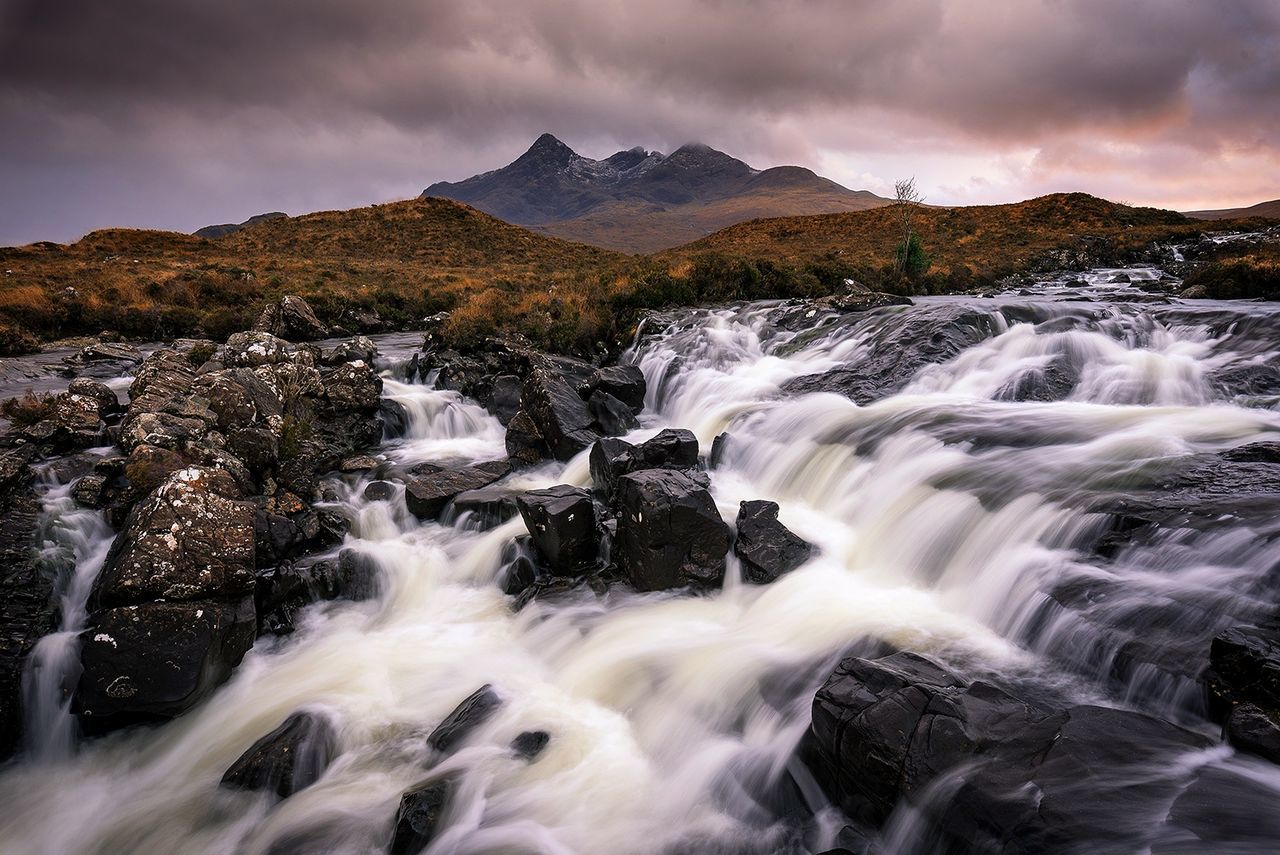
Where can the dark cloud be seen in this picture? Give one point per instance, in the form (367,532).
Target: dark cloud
(175,113)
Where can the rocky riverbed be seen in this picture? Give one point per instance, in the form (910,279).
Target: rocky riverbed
(968,574)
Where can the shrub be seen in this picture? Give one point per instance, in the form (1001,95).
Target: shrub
(28,409)
(16,340)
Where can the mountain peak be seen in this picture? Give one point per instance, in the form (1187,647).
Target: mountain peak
(548,145)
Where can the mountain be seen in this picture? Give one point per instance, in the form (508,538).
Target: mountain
(1262,209)
(644,201)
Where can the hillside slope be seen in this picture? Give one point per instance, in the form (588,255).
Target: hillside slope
(985,240)
(642,201)
(1270,210)
(406,259)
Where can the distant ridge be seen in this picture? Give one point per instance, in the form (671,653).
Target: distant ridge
(231,228)
(1262,209)
(643,201)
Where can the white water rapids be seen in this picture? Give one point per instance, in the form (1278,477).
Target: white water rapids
(942,514)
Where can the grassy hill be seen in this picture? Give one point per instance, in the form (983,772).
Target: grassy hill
(1270,210)
(985,241)
(405,259)
(412,259)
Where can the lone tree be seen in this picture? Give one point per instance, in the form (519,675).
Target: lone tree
(909,258)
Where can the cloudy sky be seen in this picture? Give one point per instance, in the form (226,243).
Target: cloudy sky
(180,113)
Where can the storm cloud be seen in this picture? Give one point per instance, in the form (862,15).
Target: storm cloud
(175,113)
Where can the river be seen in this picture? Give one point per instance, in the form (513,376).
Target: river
(951,494)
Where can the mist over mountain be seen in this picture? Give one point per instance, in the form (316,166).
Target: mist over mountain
(641,201)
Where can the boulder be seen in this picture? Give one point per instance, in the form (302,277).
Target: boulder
(90,491)
(1036,780)
(353,386)
(525,444)
(562,522)
(475,710)
(288,759)
(157,660)
(669,532)
(357,349)
(561,416)
(529,744)
(1244,666)
(504,399)
(613,417)
(419,816)
(291,318)
(766,547)
(362,319)
(285,591)
(255,349)
(188,540)
(379,491)
(611,458)
(1253,730)
(106,401)
(625,383)
(427,495)
(489,506)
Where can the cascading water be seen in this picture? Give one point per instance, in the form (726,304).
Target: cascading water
(951,496)
(74,542)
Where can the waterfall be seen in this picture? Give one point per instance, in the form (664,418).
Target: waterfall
(952,500)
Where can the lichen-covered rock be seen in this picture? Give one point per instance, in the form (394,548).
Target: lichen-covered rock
(292,319)
(353,386)
(254,349)
(357,349)
(188,540)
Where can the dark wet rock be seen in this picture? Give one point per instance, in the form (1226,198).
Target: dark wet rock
(611,458)
(562,522)
(861,300)
(766,547)
(524,441)
(474,711)
(427,495)
(1053,382)
(529,744)
(504,399)
(157,660)
(719,448)
(1253,730)
(420,816)
(520,570)
(278,536)
(288,759)
(188,540)
(1220,812)
(559,415)
(489,506)
(358,349)
(613,417)
(105,351)
(29,610)
(626,383)
(353,386)
(380,491)
(669,532)
(285,591)
(1036,781)
(395,419)
(291,319)
(1244,664)
(895,352)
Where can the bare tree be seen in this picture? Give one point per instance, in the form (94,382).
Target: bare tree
(906,200)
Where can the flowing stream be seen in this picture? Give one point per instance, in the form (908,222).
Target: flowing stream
(951,514)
